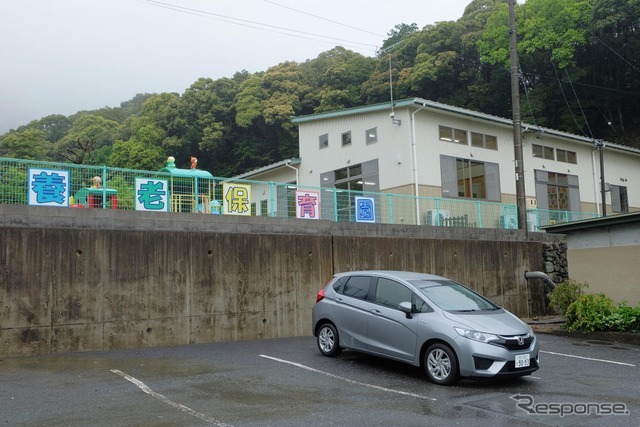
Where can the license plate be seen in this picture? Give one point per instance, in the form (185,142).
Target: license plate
(522,360)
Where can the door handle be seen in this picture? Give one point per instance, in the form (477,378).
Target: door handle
(376,312)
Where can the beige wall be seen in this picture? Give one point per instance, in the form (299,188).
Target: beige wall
(614,271)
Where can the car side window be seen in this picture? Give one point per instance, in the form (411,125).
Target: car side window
(391,293)
(357,287)
(337,286)
(419,305)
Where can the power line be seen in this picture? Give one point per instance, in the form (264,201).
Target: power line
(603,88)
(610,48)
(526,93)
(564,96)
(255,25)
(584,116)
(323,18)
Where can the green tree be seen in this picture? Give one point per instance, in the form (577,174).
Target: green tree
(286,84)
(89,127)
(550,35)
(611,83)
(336,77)
(29,144)
(134,154)
(399,34)
(54,127)
(249,101)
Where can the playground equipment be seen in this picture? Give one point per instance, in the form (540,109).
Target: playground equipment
(191,190)
(91,197)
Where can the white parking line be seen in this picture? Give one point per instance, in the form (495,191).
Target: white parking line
(589,358)
(142,386)
(298,365)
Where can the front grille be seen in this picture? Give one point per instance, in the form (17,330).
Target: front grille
(512,344)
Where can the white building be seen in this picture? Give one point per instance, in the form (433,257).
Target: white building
(455,159)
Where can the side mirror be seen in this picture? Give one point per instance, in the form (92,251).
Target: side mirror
(406,307)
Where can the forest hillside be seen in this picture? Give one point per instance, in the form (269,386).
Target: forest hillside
(578,73)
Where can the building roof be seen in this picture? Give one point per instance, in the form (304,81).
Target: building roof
(437,106)
(592,223)
(269,168)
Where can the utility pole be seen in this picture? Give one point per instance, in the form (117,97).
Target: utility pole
(517,121)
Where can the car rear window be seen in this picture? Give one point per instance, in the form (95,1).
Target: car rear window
(357,287)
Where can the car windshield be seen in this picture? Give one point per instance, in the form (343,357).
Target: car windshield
(452,296)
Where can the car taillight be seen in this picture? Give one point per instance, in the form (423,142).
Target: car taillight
(320,295)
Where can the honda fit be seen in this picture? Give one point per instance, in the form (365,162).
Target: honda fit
(425,320)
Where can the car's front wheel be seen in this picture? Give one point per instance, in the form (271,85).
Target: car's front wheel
(327,339)
(440,364)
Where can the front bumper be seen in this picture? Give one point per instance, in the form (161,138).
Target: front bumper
(482,360)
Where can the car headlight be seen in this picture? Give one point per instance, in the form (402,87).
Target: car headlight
(476,336)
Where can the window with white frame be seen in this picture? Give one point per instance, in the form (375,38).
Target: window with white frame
(346,138)
(371,135)
(324,140)
(448,134)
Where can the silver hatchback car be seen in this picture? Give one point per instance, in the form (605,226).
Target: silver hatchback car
(425,320)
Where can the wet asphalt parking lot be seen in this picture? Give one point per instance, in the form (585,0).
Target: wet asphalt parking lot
(286,382)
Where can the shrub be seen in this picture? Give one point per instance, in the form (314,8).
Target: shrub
(624,319)
(590,313)
(565,294)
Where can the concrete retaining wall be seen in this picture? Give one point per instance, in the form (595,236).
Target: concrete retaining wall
(89,279)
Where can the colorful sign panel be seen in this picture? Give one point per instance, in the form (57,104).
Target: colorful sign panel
(152,195)
(365,209)
(48,187)
(307,204)
(236,198)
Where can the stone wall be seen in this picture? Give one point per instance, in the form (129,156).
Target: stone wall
(555,260)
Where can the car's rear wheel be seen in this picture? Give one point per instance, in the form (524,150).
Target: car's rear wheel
(327,339)
(440,364)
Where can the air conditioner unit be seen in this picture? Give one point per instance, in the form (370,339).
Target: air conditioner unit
(532,221)
(509,221)
(437,216)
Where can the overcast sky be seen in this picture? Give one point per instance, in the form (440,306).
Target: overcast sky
(64,56)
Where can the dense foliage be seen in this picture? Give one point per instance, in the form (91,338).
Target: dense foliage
(577,74)
(592,312)
(598,312)
(565,294)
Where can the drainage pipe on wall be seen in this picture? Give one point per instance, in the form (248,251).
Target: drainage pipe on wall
(540,275)
(415,160)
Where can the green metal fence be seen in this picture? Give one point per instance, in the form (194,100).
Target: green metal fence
(174,190)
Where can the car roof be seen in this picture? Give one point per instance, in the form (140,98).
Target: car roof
(402,275)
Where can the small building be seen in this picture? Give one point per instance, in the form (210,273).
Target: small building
(604,252)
